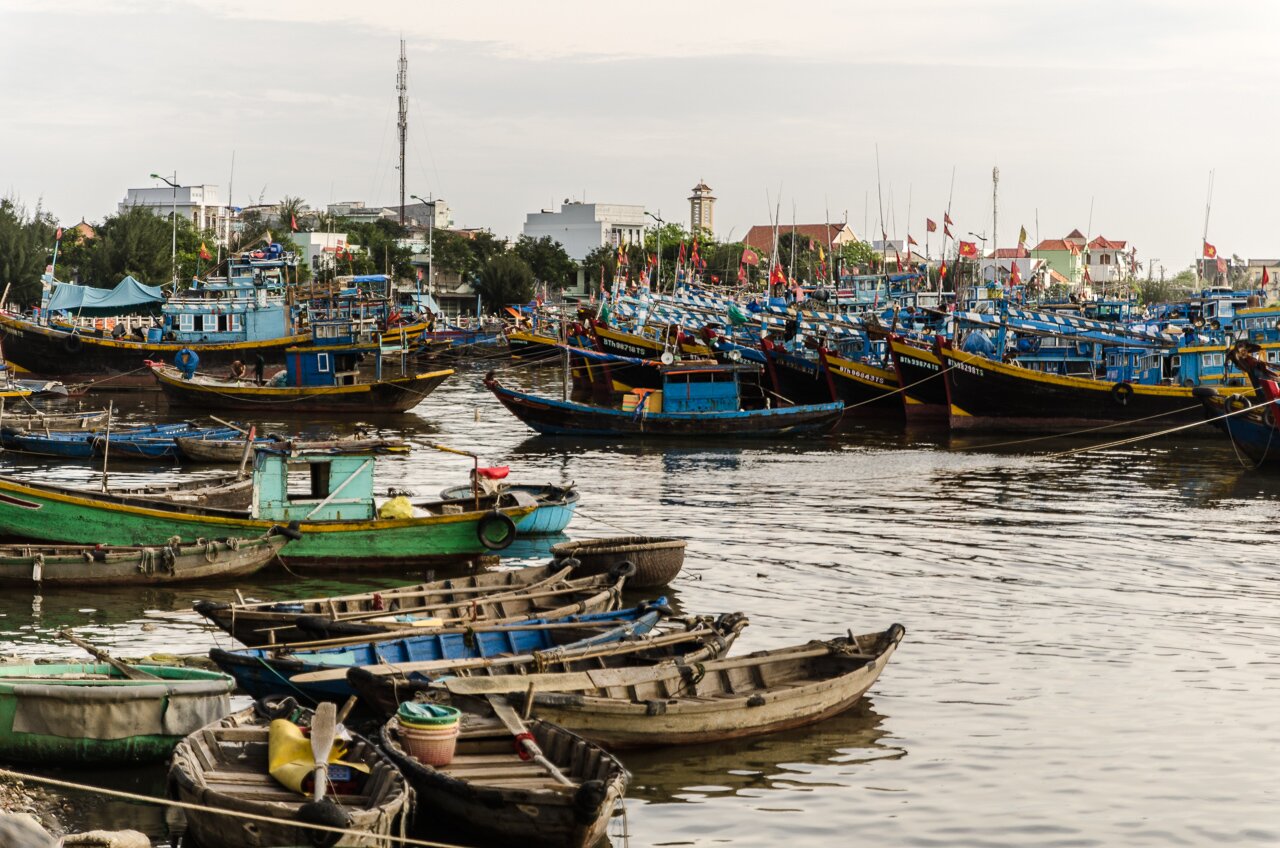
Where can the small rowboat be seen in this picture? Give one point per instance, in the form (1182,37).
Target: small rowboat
(556,505)
(657,559)
(383,688)
(685,704)
(49,422)
(272,622)
(229,449)
(225,766)
(600,593)
(262,671)
(489,792)
(89,713)
(53,566)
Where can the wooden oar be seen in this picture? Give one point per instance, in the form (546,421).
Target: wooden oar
(102,656)
(509,717)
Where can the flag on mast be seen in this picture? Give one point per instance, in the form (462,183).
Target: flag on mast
(1210,252)
(930,225)
(1022,237)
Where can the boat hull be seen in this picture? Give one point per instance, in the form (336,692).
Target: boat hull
(119,363)
(866,390)
(556,507)
(924,391)
(1253,433)
(394,395)
(987,395)
(566,418)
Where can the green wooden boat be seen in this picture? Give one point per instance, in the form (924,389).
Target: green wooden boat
(329,496)
(88,713)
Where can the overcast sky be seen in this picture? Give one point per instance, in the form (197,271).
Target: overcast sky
(1121,106)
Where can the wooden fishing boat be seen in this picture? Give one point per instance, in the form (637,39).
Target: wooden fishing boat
(321,378)
(688,640)
(87,444)
(681,704)
(698,400)
(225,766)
(865,388)
(556,505)
(331,498)
(269,671)
(230,449)
(657,559)
(984,394)
(56,566)
(260,623)
(50,421)
(222,491)
(90,714)
(148,447)
(530,344)
(919,369)
(596,593)
(1248,419)
(492,793)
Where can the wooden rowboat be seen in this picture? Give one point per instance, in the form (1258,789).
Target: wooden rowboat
(489,793)
(230,450)
(48,422)
(260,623)
(225,766)
(684,704)
(53,566)
(382,688)
(89,713)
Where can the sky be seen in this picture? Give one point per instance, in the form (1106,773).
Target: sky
(1102,116)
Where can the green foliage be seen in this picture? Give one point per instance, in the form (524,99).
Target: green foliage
(138,242)
(1173,289)
(504,279)
(484,246)
(381,254)
(858,254)
(546,257)
(600,264)
(452,254)
(26,246)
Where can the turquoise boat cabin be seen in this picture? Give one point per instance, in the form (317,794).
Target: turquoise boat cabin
(313,487)
(247,305)
(700,386)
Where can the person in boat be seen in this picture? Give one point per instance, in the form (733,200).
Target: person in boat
(259,366)
(237,370)
(118,331)
(1257,369)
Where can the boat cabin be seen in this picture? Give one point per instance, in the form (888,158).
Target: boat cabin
(705,386)
(1141,365)
(246,305)
(313,487)
(319,366)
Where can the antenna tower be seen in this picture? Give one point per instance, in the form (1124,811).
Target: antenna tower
(402,86)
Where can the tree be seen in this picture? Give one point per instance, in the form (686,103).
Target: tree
(600,265)
(26,245)
(290,211)
(857,257)
(382,254)
(484,246)
(505,279)
(452,254)
(546,257)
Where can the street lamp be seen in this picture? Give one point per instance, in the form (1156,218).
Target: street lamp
(174,249)
(431,225)
(657,232)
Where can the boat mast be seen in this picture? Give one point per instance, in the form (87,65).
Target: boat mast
(995,241)
(402,86)
(1204,238)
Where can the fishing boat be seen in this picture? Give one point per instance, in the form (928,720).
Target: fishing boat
(221,491)
(492,790)
(222,319)
(331,496)
(92,714)
(556,505)
(714,701)
(269,671)
(919,370)
(688,640)
(1249,420)
(656,560)
(318,378)
(50,421)
(228,765)
(261,623)
(152,442)
(576,596)
(702,399)
(230,448)
(59,566)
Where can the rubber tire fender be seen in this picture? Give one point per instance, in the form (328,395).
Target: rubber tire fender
(1122,393)
(72,343)
(495,530)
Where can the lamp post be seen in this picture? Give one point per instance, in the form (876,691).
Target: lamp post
(657,233)
(431,228)
(173,257)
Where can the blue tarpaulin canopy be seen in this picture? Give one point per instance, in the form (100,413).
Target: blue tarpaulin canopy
(128,296)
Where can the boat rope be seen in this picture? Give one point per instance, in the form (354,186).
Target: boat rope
(1145,436)
(609,523)
(898,390)
(1068,435)
(389,839)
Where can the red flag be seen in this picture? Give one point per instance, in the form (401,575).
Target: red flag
(946,219)
(776,275)
(293,222)
(968,248)
(742,273)
(622,255)
(1222,265)
(653,260)
(1087,278)
(58,235)
(910,240)
(1266,278)
(930,225)
(1210,252)
(942,272)
(946,232)
(750,257)
(204,252)
(1015,276)
(683,253)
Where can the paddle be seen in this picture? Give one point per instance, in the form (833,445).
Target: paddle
(507,714)
(102,656)
(321,810)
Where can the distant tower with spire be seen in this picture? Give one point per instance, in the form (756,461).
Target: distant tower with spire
(702,209)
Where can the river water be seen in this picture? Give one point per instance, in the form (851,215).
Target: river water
(1092,653)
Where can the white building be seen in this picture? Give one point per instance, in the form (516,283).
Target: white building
(199,204)
(319,250)
(582,227)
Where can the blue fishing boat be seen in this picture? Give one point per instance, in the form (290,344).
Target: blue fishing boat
(267,671)
(556,505)
(151,442)
(702,399)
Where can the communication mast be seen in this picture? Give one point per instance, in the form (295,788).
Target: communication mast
(402,86)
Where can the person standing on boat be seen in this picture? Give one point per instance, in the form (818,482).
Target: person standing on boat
(259,366)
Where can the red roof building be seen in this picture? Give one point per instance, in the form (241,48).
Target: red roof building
(761,236)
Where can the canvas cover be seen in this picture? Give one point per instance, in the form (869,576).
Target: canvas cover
(129,295)
(118,712)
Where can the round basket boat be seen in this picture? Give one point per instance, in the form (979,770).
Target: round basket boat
(658,559)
